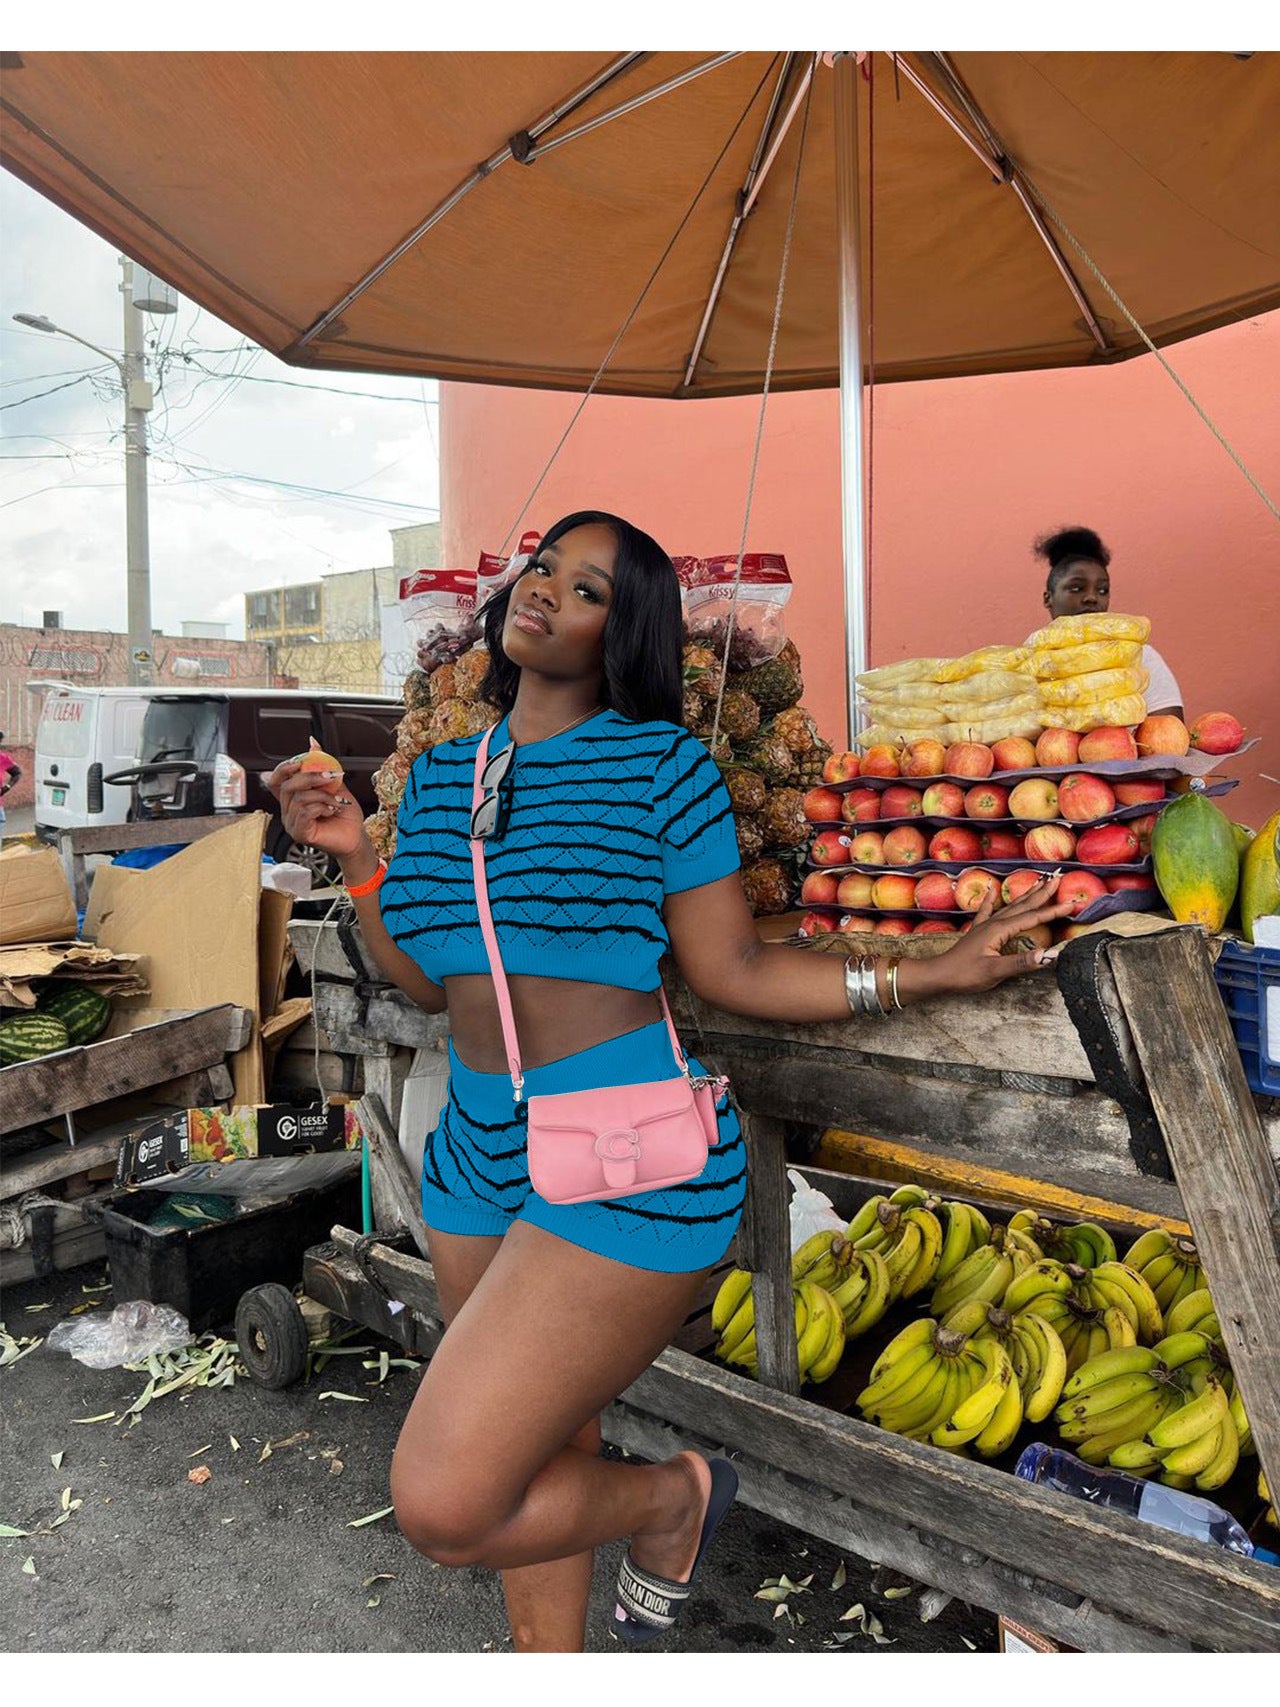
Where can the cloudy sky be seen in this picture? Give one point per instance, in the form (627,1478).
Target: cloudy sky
(260,474)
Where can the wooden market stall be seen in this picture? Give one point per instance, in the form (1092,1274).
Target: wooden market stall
(991,1089)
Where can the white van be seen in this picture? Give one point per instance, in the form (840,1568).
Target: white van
(84,735)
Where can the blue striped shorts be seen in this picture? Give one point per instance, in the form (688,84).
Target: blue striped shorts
(475,1176)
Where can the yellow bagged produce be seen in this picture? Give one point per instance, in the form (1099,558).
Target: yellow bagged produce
(909,713)
(1100,625)
(1015,708)
(989,729)
(1095,685)
(889,735)
(984,658)
(888,676)
(988,685)
(1050,662)
(1098,714)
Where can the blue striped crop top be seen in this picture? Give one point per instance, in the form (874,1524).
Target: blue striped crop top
(606,820)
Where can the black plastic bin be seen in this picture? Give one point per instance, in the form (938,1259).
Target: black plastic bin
(202,1270)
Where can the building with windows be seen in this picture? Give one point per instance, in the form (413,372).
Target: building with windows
(285,615)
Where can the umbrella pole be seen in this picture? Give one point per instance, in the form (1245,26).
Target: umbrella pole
(852,470)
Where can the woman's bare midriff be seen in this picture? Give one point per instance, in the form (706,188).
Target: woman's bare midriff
(554,1018)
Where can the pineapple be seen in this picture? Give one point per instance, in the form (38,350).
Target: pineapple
(699,713)
(450,721)
(772,758)
(750,839)
(414,733)
(417,690)
(480,716)
(382,832)
(767,886)
(778,685)
(746,790)
(809,766)
(469,672)
(782,820)
(797,729)
(443,685)
(702,672)
(739,716)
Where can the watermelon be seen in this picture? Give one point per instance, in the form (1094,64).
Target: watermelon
(83,1011)
(26,1037)
(1197,868)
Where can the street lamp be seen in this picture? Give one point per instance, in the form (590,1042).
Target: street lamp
(138,398)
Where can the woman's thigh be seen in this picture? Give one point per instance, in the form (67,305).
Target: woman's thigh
(459,1260)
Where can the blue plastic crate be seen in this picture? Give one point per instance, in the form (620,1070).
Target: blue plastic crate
(1244,974)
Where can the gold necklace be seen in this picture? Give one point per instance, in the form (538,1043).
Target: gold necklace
(555,732)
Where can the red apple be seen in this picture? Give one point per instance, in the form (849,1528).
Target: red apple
(1137,793)
(1018,883)
(1128,880)
(867,848)
(936,893)
(987,800)
(1068,933)
(1082,798)
(972,887)
(1109,742)
(1057,747)
(933,927)
(860,806)
(943,800)
(815,924)
(899,801)
(881,760)
(1035,798)
(851,924)
(822,805)
(1162,734)
(1108,844)
(1014,753)
(1049,842)
(924,758)
(819,886)
(894,891)
(893,927)
(969,758)
(1216,732)
(841,767)
(1080,888)
(905,846)
(1142,828)
(1029,937)
(854,890)
(830,847)
(1000,844)
(955,843)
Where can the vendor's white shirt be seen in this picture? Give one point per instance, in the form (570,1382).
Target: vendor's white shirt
(1162,689)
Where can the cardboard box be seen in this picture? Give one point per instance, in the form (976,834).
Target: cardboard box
(1021,1639)
(174,1141)
(36,904)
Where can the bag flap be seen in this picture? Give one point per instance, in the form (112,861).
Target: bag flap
(617,1107)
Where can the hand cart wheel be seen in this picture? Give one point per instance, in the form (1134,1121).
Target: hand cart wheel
(272,1335)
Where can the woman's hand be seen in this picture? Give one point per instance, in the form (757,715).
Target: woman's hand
(319,818)
(977,961)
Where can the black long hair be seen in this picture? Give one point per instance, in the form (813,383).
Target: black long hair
(1070,545)
(643,632)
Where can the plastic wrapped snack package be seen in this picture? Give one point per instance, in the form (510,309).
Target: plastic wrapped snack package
(1095,684)
(890,734)
(1022,705)
(759,620)
(988,729)
(892,677)
(1100,714)
(439,611)
(984,658)
(1091,625)
(904,713)
(1050,663)
(988,685)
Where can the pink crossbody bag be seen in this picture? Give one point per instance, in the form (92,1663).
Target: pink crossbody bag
(589,1146)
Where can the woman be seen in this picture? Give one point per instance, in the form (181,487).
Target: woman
(616,838)
(1078,581)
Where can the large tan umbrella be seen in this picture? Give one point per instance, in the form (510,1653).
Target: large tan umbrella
(496,216)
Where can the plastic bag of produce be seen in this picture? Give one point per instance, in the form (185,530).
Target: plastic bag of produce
(812,1211)
(439,609)
(984,658)
(494,573)
(915,714)
(1095,684)
(988,729)
(759,622)
(1099,714)
(1022,705)
(889,734)
(1090,625)
(988,685)
(131,1332)
(886,677)
(1052,662)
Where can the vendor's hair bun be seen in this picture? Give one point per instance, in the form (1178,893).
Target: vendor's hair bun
(1069,545)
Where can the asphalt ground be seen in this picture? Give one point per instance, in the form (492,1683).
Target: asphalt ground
(261,1557)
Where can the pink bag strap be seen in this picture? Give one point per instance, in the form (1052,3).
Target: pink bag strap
(500,987)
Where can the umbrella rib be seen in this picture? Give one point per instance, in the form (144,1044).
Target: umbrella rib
(532,154)
(1008,171)
(608,75)
(746,197)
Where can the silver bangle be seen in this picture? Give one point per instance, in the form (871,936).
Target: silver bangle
(853,988)
(871,993)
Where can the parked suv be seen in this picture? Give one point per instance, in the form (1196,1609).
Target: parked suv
(201,751)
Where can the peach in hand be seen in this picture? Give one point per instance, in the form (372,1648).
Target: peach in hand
(322,767)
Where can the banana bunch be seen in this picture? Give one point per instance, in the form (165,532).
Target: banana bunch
(857,1280)
(934,1383)
(1037,1353)
(1084,1242)
(1194,1311)
(1017,1244)
(983,1277)
(964,1230)
(823,1258)
(989,1415)
(907,1235)
(1170,1266)
(1093,1310)
(1111,1401)
(820,1329)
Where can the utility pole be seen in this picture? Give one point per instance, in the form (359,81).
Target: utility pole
(138,398)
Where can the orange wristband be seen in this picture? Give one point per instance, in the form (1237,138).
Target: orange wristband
(357,890)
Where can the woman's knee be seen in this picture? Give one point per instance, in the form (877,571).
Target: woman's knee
(444,1512)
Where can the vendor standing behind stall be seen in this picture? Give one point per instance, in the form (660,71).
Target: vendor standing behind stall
(1078,582)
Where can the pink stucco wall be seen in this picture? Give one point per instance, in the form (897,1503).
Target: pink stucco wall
(966,472)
